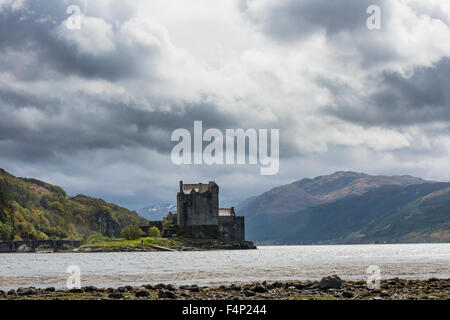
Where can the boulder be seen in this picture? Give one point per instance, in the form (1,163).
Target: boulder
(384,293)
(259,288)
(347,294)
(116,295)
(12,292)
(166,294)
(142,293)
(170,287)
(26,291)
(330,282)
(193,288)
(249,293)
(90,289)
(236,287)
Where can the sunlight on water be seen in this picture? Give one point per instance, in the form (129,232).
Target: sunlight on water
(217,267)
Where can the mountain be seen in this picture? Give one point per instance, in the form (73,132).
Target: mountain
(263,211)
(157,211)
(388,214)
(33,209)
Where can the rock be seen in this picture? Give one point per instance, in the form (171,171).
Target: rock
(330,282)
(163,293)
(142,293)
(50,289)
(300,286)
(12,292)
(76,290)
(116,295)
(193,288)
(384,294)
(277,284)
(185,294)
(347,294)
(236,287)
(249,293)
(259,288)
(90,289)
(170,287)
(26,291)
(314,285)
(2,293)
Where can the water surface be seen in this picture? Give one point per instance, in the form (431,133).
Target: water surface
(217,267)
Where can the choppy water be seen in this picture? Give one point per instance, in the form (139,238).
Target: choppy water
(216,267)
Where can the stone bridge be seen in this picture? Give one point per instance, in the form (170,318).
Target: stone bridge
(56,245)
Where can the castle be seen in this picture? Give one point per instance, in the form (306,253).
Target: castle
(198,209)
(198,204)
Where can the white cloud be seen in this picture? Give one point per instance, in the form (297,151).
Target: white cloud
(94,37)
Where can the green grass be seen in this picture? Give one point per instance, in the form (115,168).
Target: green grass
(146,242)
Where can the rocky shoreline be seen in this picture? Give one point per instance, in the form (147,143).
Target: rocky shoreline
(329,288)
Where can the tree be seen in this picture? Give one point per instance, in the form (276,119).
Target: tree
(153,232)
(131,232)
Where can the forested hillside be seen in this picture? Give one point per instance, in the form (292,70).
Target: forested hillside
(32,209)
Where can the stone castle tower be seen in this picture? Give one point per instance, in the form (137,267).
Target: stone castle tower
(198,204)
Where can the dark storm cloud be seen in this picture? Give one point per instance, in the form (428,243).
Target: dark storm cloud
(296,19)
(397,100)
(100,124)
(23,99)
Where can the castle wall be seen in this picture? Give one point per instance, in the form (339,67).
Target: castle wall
(233,227)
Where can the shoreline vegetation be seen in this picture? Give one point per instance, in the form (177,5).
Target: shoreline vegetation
(160,244)
(329,288)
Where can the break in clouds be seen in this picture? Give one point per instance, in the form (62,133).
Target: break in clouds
(93,109)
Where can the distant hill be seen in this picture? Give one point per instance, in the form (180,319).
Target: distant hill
(157,211)
(33,209)
(388,214)
(273,217)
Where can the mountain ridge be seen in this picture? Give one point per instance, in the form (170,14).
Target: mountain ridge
(307,192)
(343,203)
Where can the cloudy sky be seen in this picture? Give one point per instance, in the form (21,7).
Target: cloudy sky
(92,109)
